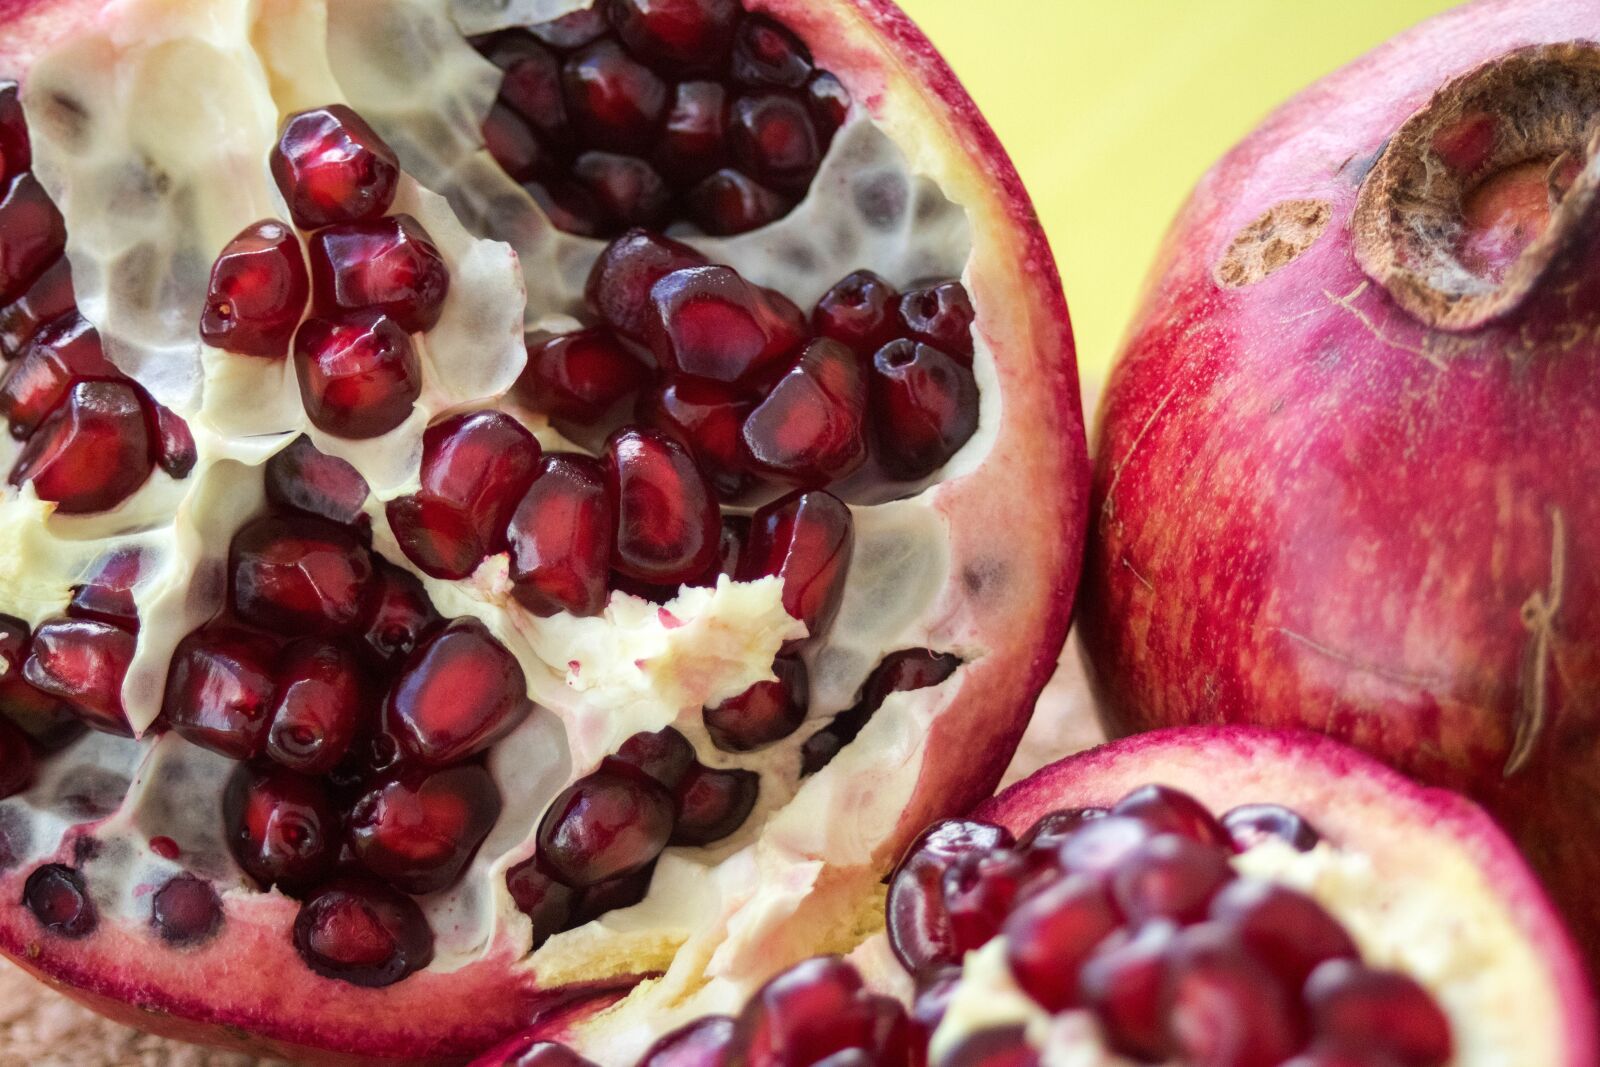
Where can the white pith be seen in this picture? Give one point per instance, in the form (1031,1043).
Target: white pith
(198,89)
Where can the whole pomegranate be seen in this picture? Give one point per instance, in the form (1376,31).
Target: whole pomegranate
(1348,469)
(433,595)
(1203,897)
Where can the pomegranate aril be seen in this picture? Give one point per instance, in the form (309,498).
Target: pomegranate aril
(1170,877)
(997,1046)
(321,701)
(765,53)
(511,142)
(806,539)
(546,902)
(1353,1004)
(918,922)
(1051,935)
(702,1043)
(561,537)
(616,102)
(691,144)
(106,594)
(83,662)
(281,827)
(258,292)
(940,315)
(903,671)
(389,265)
(531,88)
(17,759)
(50,722)
(572,30)
(1103,845)
(359,374)
(1054,828)
(46,300)
(92,453)
(773,139)
(706,417)
(712,804)
(829,101)
(664,755)
(186,911)
(175,448)
(331,168)
(300,575)
(579,376)
(924,408)
(668,522)
(1122,984)
(809,430)
(221,690)
(419,831)
(1251,824)
(16,152)
(606,825)
(730,202)
(1283,928)
(67,351)
(548,1054)
(457,694)
(687,36)
(1224,1009)
(765,713)
(623,891)
(619,284)
(818,1011)
(438,537)
(300,478)
(401,615)
(59,899)
(569,207)
(32,236)
(859,311)
(627,189)
(1337,1056)
(708,322)
(363,933)
(1167,811)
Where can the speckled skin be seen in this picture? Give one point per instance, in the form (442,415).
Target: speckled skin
(1311,509)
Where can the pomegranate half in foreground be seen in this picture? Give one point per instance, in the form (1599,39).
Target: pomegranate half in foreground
(1348,475)
(433,594)
(1197,898)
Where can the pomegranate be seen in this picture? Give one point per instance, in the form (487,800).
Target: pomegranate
(437,598)
(1349,382)
(1131,905)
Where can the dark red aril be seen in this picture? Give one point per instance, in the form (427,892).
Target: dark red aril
(1103,845)
(333,168)
(1223,1007)
(1052,829)
(731,202)
(59,899)
(664,755)
(616,102)
(1283,928)
(627,190)
(996,1046)
(774,140)
(321,701)
(902,671)
(810,429)
(1170,877)
(686,36)
(32,236)
(765,713)
(707,418)
(281,827)
(106,593)
(1356,1005)
(941,315)
(860,311)
(708,322)
(806,539)
(668,522)
(65,352)
(765,53)
(691,144)
(918,921)
(17,759)
(1122,983)
(1251,824)
(924,408)
(438,537)
(401,614)
(186,911)
(83,662)
(389,265)
(92,453)
(458,693)
(364,933)
(606,825)
(713,804)
(16,150)
(221,688)
(547,1054)
(816,1012)
(979,891)
(359,374)
(300,478)
(1052,934)
(258,292)
(1168,811)
(175,451)
(546,902)
(510,141)
(562,537)
(619,284)
(702,1043)
(300,575)
(419,831)
(829,101)
(47,299)
(578,376)
(572,30)
(569,207)
(623,891)
(531,88)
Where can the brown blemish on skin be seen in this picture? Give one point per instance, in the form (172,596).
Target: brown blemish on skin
(1273,241)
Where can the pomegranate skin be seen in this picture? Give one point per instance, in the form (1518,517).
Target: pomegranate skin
(1313,506)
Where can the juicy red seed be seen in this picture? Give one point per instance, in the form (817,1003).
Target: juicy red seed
(1283,928)
(1352,1004)
(1223,1007)
(58,898)
(401,615)
(907,670)
(545,1054)
(569,207)
(531,89)
(706,417)
(83,662)
(691,145)
(186,911)
(1251,824)
(935,986)
(765,713)
(809,430)
(298,574)
(919,925)
(511,142)
(579,376)
(765,53)
(175,449)
(1170,877)
(16,760)
(860,311)
(47,299)
(806,539)
(282,828)
(302,479)
(606,825)
(702,1043)
(332,167)
(999,1046)
(562,537)
(359,374)
(627,189)
(1331,1056)
(685,35)
(65,352)
(664,755)
(624,891)
(829,101)
(1122,983)
(615,101)
(50,722)
(619,285)
(16,152)
(924,408)
(438,537)
(1103,845)
(712,804)
(457,694)
(546,902)
(708,322)
(573,30)
(35,236)
(363,933)
(1167,811)
(106,593)
(1054,828)
(221,690)
(92,453)
(258,292)
(979,891)
(668,522)
(389,265)
(813,1012)
(940,315)
(773,139)
(320,703)
(419,831)
(731,202)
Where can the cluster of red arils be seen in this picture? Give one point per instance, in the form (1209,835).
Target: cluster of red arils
(374,278)
(638,113)
(92,435)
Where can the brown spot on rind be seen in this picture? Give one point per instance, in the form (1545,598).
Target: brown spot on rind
(1273,241)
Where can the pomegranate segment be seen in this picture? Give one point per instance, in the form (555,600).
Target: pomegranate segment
(333,168)
(458,693)
(359,374)
(389,265)
(221,688)
(417,832)
(258,292)
(668,522)
(363,933)
(83,662)
(562,537)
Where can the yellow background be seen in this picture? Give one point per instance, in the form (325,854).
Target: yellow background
(1112,108)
